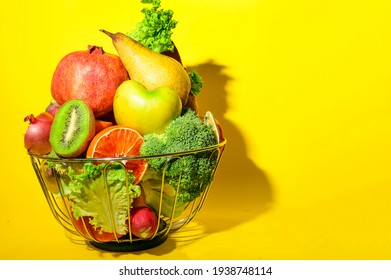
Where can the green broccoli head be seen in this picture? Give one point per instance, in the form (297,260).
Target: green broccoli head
(192,171)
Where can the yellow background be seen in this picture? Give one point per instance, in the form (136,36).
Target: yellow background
(303,92)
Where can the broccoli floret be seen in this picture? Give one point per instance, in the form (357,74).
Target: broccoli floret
(194,170)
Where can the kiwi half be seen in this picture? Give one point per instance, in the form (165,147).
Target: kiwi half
(73,128)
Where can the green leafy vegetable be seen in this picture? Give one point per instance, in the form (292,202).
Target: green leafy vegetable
(196,82)
(155,30)
(92,195)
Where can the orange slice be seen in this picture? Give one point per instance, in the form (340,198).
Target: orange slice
(119,141)
(100,125)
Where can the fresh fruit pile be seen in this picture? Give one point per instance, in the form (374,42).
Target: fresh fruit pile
(108,106)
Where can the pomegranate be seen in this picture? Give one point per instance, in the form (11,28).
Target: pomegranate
(36,139)
(92,76)
(143,222)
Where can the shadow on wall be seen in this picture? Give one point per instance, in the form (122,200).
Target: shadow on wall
(241,190)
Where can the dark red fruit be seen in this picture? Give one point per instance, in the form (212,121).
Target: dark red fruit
(36,139)
(92,76)
(143,221)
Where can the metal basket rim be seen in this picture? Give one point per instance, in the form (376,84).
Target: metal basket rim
(183,153)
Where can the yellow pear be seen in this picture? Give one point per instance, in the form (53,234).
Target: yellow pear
(152,70)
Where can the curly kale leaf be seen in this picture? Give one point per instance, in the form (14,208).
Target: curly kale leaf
(155,30)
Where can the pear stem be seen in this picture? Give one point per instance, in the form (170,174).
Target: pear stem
(108,33)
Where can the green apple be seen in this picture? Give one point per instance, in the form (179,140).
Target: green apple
(143,110)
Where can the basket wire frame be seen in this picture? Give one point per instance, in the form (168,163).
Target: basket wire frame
(60,205)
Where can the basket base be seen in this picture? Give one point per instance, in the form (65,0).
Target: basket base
(130,246)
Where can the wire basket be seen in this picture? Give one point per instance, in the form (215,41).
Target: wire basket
(54,175)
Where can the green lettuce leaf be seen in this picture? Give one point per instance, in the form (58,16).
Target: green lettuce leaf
(89,197)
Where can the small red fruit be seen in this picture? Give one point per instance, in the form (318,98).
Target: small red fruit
(143,221)
(92,76)
(36,139)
